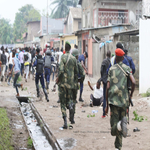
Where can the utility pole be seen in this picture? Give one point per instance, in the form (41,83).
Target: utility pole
(47,17)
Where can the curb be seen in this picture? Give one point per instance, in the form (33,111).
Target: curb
(47,132)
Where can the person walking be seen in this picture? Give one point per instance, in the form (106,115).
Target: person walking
(82,59)
(3,66)
(10,66)
(81,76)
(113,59)
(47,68)
(26,63)
(16,66)
(117,97)
(131,63)
(6,70)
(67,77)
(21,59)
(39,64)
(104,67)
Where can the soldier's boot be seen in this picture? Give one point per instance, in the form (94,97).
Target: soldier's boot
(46,96)
(71,113)
(124,126)
(38,91)
(65,123)
(47,87)
(80,98)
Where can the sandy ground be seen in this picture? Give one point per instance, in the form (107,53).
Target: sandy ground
(20,133)
(94,132)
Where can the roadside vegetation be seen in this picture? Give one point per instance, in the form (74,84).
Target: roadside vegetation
(5,131)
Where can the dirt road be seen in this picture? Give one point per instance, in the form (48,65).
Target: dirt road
(93,132)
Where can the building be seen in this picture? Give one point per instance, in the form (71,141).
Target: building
(99,13)
(32,35)
(71,38)
(101,20)
(73,21)
(55,26)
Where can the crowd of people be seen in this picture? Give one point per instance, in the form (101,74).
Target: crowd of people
(116,76)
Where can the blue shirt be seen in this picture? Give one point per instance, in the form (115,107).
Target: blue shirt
(131,63)
(81,58)
(17,64)
(125,61)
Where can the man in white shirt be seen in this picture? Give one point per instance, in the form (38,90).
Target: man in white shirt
(59,54)
(27,61)
(97,98)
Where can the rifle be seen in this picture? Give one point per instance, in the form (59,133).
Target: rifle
(129,89)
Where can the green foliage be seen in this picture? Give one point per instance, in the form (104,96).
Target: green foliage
(139,118)
(89,115)
(61,8)
(147,94)
(5,131)
(25,14)
(30,143)
(5,31)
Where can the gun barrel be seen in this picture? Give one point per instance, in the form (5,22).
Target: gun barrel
(131,102)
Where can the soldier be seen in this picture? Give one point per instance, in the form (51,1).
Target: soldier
(81,75)
(117,97)
(39,63)
(67,77)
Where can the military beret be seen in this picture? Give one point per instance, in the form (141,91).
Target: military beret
(119,52)
(67,43)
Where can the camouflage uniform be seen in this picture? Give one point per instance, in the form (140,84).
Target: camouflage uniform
(118,99)
(67,78)
(81,75)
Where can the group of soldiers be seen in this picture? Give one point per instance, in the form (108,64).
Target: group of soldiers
(71,71)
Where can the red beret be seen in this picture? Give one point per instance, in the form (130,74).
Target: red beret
(119,52)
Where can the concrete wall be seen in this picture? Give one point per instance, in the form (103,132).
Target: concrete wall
(33,29)
(88,6)
(144,56)
(99,55)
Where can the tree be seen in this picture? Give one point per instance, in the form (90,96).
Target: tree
(8,40)
(5,31)
(61,8)
(25,14)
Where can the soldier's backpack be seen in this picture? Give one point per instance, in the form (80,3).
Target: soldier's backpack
(47,62)
(40,64)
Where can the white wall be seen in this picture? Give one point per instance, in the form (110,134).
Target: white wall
(144,56)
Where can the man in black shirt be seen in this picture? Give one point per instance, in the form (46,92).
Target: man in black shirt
(104,67)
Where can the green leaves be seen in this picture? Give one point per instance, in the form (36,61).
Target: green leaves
(25,14)
(5,31)
(61,8)
(139,118)
(89,115)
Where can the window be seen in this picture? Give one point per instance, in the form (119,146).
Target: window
(79,25)
(95,18)
(83,21)
(88,19)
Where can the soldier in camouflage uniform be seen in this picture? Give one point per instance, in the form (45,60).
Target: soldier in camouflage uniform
(117,98)
(81,75)
(67,77)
